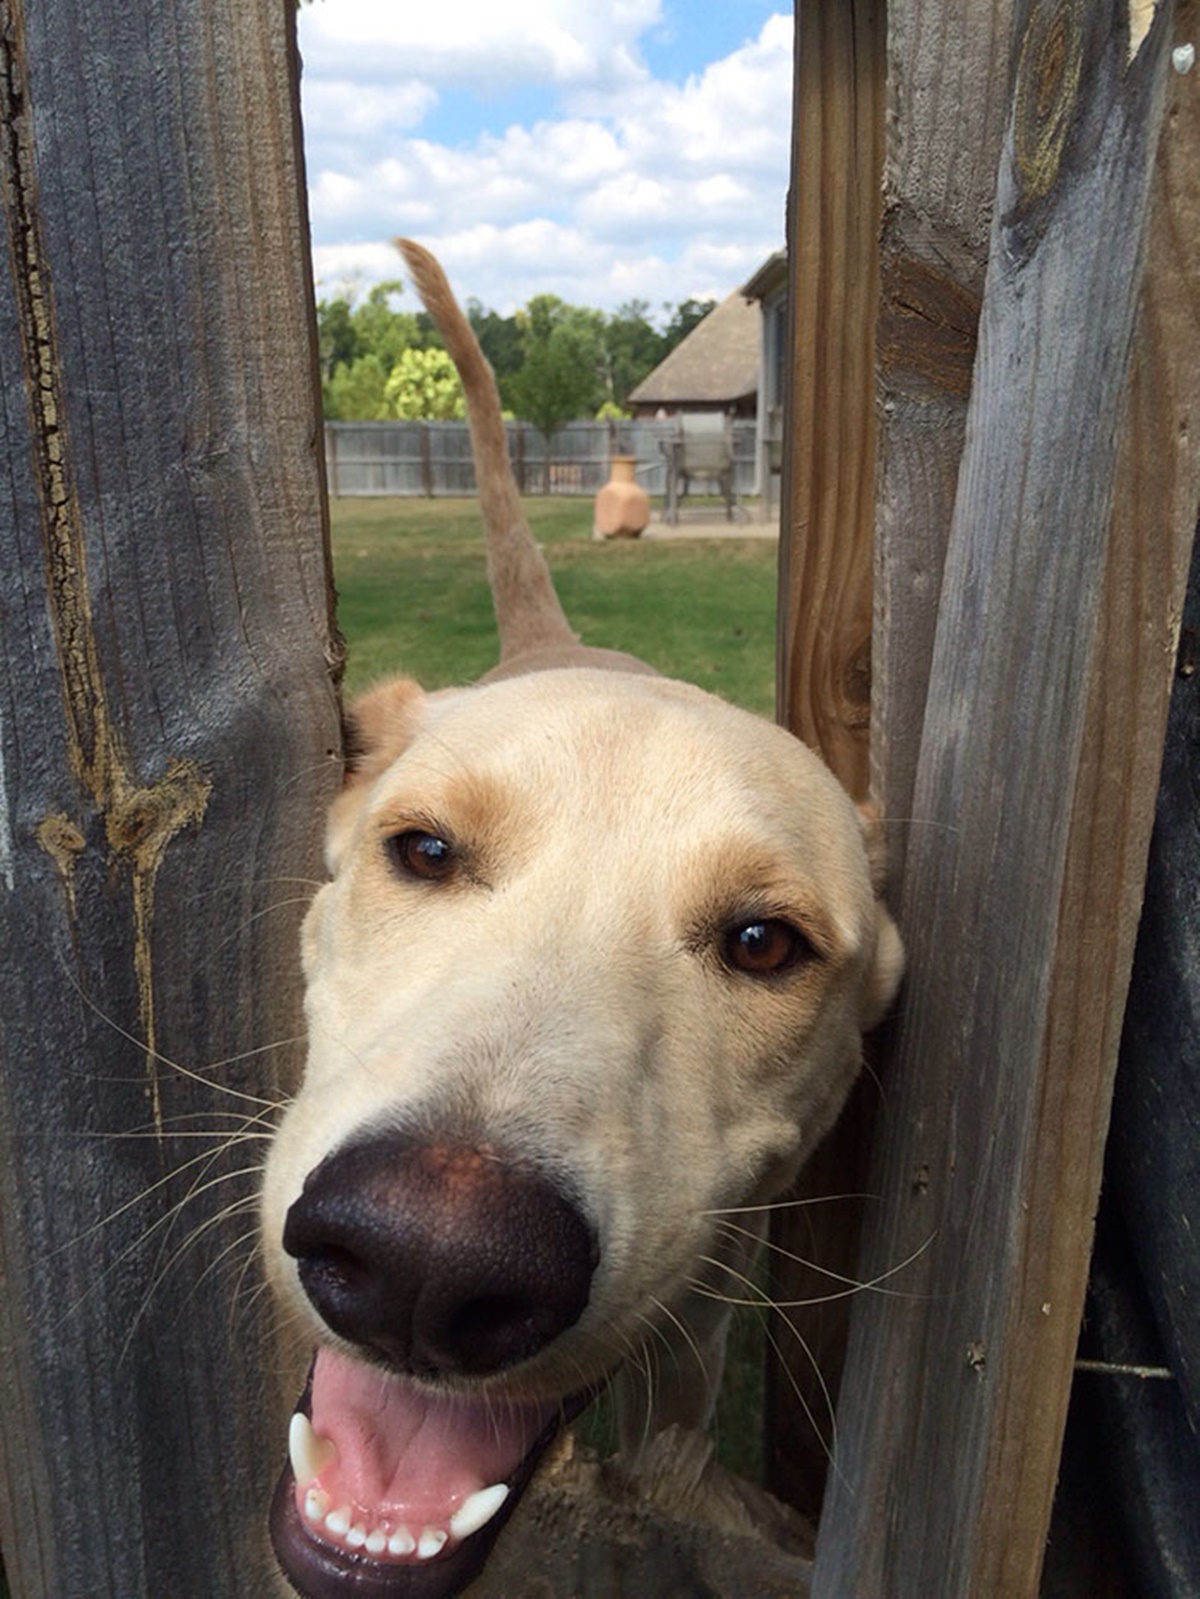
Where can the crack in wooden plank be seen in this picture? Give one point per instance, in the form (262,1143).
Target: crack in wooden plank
(140,819)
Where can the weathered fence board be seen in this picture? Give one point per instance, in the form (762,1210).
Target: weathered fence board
(167,728)
(946,98)
(826,543)
(948,77)
(828,477)
(997,1099)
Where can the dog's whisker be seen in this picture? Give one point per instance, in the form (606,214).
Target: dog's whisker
(163,1223)
(779,1252)
(247,923)
(828,1444)
(797,1202)
(190,1074)
(853,1285)
(164,1269)
(687,1335)
(232,1124)
(203,1160)
(149,1134)
(250,1295)
(221,1262)
(202,1184)
(166,1263)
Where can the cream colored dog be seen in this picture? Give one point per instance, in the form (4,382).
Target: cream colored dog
(589,980)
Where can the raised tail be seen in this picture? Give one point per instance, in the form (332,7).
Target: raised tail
(528,613)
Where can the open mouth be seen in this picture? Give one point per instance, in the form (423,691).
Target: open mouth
(394,1491)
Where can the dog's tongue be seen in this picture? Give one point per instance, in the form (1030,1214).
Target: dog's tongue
(408,1455)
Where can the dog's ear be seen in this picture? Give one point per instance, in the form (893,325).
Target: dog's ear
(888,965)
(379,726)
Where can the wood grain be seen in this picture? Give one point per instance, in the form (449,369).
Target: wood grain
(948,77)
(825,629)
(1156,504)
(828,479)
(1019,900)
(168,735)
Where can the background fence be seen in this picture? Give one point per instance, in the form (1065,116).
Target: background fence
(434,458)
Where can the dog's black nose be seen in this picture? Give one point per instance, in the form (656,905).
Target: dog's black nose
(440,1257)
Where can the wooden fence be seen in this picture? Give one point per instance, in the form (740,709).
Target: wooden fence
(168,742)
(434,458)
(991,489)
(1011,433)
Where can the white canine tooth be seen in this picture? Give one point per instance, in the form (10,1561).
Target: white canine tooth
(316,1504)
(338,1521)
(376,1541)
(308,1452)
(478,1510)
(401,1542)
(357,1536)
(431,1542)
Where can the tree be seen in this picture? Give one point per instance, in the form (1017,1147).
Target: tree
(560,377)
(499,339)
(384,331)
(337,336)
(682,320)
(423,386)
(358,346)
(357,393)
(632,348)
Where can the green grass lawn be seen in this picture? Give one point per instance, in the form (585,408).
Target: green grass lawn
(412,595)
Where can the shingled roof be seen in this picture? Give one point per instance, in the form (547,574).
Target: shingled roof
(717,364)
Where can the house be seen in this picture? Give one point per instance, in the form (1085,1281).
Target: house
(732,362)
(714,369)
(769,287)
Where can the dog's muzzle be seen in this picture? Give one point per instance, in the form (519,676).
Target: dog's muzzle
(441,1264)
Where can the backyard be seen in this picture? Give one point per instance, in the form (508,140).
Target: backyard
(412,595)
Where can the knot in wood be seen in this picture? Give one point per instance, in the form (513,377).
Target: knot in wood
(927,328)
(142,821)
(1049,76)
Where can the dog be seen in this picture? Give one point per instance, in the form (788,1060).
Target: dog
(587,984)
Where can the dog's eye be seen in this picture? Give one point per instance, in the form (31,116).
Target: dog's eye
(423,855)
(765,947)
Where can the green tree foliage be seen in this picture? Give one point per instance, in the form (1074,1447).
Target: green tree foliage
(358,344)
(553,361)
(423,386)
(561,375)
(356,393)
(682,320)
(632,348)
(499,339)
(384,330)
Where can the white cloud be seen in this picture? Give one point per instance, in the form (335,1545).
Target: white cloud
(367,109)
(479,43)
(662,191)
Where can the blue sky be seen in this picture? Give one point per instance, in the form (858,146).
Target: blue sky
(602,150)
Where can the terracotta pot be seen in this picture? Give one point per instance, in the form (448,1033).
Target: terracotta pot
(622,505)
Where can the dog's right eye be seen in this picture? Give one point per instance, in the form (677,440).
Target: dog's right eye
(423,855)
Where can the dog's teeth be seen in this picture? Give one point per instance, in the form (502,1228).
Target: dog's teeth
(431,1542)
(308,1451)
(478,1510)
(357,1536)
(316,1504)
(401,1542)
(376,1541)
(338,1521)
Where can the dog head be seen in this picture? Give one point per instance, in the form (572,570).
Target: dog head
(593,967)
